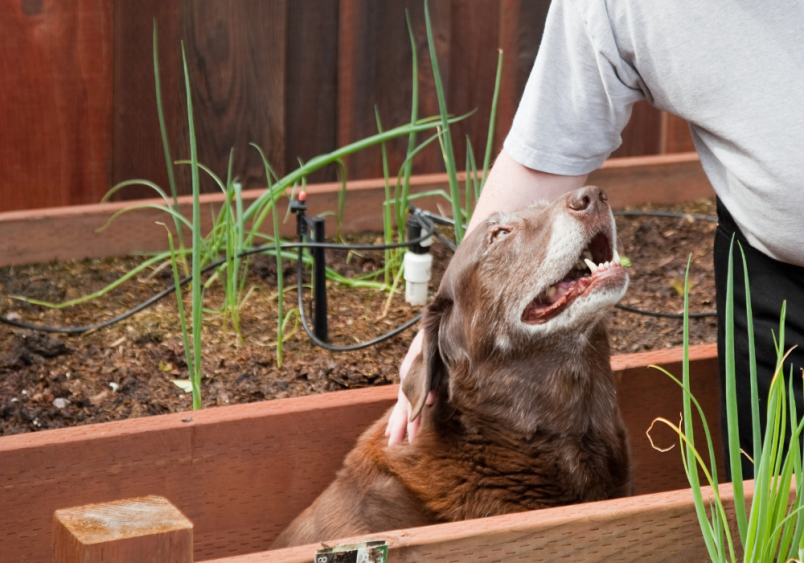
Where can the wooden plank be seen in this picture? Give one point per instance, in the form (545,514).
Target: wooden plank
(56,79)
(659,527)
(311,89)
(374,68)
(676,135)
(645,393)
(236,55)
(137,144)
(473,66)
(240,473)
(70,233)
(668,179)
(124,531)
(240,493)
(642,135)
(521,24)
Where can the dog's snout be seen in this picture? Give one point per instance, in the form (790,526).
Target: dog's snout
(588,200)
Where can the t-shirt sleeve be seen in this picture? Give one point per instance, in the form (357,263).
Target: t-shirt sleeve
(579,95)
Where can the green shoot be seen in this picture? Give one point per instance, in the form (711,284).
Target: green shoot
(166,144)
(446,138)
(771,530)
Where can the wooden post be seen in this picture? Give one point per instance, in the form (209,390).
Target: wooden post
(125,531)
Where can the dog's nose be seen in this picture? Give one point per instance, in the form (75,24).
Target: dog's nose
(588,200)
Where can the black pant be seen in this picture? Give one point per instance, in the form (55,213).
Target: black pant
(771,283)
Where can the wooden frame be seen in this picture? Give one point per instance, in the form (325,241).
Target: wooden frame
(69,233)
(241,473)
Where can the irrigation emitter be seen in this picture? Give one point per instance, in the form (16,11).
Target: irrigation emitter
(421,228)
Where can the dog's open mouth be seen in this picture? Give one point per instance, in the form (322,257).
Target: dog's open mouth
(598,261)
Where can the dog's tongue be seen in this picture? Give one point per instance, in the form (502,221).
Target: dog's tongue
(562,289)
(543,309)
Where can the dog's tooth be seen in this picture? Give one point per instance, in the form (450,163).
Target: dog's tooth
(616,258)
(587,254)
(592,265)
(550,291)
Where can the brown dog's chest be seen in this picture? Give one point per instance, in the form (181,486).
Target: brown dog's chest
(473,477)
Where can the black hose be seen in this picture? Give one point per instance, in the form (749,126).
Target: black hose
(325,345)
(666,315)
(427,218)
(428,232)
(671,214)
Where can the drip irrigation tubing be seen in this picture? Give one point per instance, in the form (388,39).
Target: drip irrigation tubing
(428,219)
(172,288)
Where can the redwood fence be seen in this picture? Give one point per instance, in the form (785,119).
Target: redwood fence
(298,77)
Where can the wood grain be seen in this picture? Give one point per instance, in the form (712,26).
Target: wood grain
(56,79)
(123,531)
(521,25)
(311,98)
(374,69)
(473,67)
(676,136)
(242,473)
(239,474)
(137,140)
(236,55)
(298,77)
(642,134)
(69,233)
(659,527)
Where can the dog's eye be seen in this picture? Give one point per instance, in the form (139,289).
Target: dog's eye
(499,233)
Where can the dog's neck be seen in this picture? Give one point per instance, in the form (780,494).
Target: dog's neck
(566,390)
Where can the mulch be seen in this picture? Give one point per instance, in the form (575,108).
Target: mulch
(127,370)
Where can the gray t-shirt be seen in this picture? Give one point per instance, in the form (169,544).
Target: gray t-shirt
(733,68)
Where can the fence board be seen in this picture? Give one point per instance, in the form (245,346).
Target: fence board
(473,64)
(55,75)
(676,136)
(312,82)
(298,77)
(236,51)
(521,25)
(137,141)
(375,69)
(642,134)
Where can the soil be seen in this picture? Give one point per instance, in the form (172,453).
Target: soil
(127,370)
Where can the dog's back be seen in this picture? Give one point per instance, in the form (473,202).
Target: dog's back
(526,417)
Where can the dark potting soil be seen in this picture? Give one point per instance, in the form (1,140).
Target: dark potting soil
(127,370)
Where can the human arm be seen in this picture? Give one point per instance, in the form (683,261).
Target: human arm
(510,186)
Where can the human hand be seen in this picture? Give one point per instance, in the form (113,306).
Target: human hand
(398,424)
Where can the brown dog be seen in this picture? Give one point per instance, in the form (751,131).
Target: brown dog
(517,351)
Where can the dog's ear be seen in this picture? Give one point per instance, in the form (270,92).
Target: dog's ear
(428,368)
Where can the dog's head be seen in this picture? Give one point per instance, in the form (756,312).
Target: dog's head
(521,285)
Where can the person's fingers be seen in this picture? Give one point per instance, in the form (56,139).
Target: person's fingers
(413,428)
(392,419)
(398,420)
(431,397)
(396,432)
(413,351)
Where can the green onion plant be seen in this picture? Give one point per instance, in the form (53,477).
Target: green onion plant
(237,226)
(771,529)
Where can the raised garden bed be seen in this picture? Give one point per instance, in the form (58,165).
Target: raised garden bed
(126,370)
(241,473)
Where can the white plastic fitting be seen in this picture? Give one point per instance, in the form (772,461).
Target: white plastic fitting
(417,276)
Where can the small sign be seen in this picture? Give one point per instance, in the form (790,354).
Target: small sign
(365,552)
